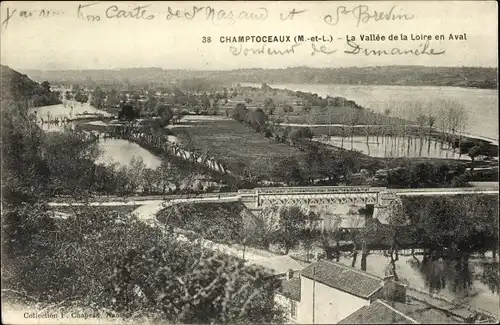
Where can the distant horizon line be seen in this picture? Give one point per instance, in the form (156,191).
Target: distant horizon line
(240,69)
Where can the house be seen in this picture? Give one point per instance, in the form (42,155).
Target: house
(332,291)
(327,292)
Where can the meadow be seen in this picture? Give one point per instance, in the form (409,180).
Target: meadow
(237,146)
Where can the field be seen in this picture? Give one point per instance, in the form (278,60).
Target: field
(237,146)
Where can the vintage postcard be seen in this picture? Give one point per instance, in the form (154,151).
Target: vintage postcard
(308,162)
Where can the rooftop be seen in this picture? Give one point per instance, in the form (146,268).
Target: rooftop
(344,278)
(412,312)
(379,312)
(425,313)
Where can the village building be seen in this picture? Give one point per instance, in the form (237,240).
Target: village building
(329,293)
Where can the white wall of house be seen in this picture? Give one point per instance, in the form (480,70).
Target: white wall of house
(330,305)
(286,303)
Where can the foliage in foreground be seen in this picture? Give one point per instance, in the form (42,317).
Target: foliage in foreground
(451,229)
(221,222)
(106,259)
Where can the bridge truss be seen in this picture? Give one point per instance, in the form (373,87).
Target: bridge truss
(316,199)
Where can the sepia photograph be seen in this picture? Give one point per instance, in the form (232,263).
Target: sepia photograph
(249,162)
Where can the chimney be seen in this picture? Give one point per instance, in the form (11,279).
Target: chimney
(289,274)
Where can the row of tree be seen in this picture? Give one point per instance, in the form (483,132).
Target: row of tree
(44,96)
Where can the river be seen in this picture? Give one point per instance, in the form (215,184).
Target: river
(69,109)
(481,104)
(123,151)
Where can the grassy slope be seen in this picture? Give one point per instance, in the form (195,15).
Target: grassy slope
(14,86)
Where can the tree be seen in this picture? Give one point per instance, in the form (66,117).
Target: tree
(240,112)
(287,170)
(24,170)
(292,221)
(347,164)
(307,107)
(263,227)
(257,119)
(473,153)
(451,228)
(128,112)
(490,276)
(310,233)
(205,101)
(81,97)
(112,99)
(269,106)
(421,120)
(265,87)
(330,239)
(134,174)
(145,272)
(72,169)
(46,86)
(457,117)
(215,106)
(387,113)
(431,120)
(287,108)
(98,98)
(165,112)
(354,117)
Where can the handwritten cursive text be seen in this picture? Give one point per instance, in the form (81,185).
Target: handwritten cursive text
(264,49)
(423,48)
(217,15)
(363,14)
(139,12)
(28,14)
(322,49)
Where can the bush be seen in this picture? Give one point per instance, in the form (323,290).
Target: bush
(107,259)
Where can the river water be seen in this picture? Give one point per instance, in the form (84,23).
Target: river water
(481,104)
(69,109)
(123,151)
(393,147)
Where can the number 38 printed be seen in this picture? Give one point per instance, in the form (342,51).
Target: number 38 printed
(206,39)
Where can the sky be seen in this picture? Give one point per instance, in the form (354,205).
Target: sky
(55,35)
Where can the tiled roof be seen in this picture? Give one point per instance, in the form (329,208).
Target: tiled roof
(378,312)
(425,313)
(291,288)
(344,278)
